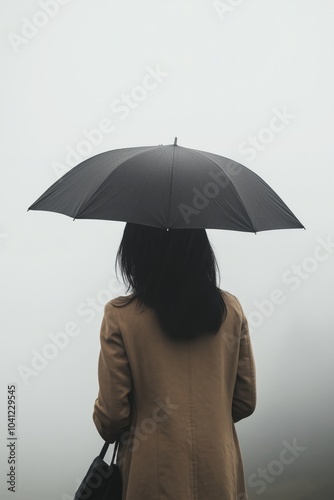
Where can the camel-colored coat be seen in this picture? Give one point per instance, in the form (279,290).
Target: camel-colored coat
(176,404)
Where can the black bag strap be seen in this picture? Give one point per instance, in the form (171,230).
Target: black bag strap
(115,450)
(105,448)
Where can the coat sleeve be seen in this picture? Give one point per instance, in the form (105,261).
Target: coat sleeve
(111,413)
(244,396)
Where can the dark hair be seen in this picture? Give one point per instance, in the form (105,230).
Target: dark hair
(174,272)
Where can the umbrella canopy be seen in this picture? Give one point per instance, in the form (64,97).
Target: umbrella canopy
(168,186)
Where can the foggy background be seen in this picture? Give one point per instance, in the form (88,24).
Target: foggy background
(80,78)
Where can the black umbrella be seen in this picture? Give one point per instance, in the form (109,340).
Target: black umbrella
(168,186)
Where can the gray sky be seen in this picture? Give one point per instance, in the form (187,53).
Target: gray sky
(252,81)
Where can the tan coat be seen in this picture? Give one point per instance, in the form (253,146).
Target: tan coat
(176,404)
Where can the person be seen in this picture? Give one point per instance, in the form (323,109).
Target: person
(176,370)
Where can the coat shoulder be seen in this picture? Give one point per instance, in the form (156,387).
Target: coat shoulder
(120,300)
(232,302)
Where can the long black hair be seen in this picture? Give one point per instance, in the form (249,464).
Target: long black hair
(174,272)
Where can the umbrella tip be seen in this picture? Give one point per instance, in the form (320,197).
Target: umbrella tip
(175,141)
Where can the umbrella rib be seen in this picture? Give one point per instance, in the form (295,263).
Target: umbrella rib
(87,202)
(235,189)
(170,188)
